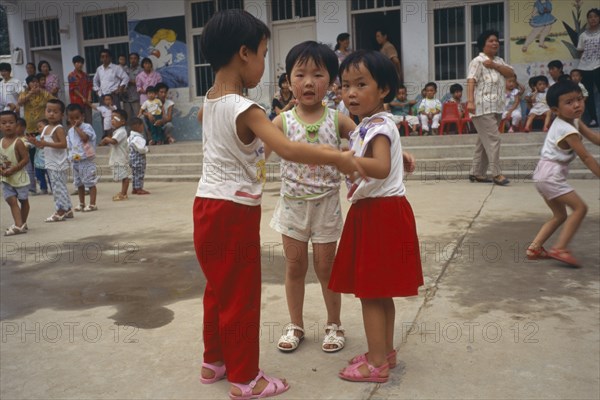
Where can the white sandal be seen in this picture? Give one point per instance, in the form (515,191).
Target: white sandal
(91,207)
(290,338)
(332,338)
(80,207)
(15,230)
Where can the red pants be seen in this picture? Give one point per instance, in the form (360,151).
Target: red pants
(227,242)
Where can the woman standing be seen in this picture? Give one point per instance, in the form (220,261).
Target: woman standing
(52,83)
(342,47)
(589,49)
(148,77)
(485,91)
(34,100)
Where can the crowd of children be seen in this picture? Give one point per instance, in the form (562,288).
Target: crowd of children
(57,151)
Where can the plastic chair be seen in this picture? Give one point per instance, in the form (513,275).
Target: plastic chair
(466,121)
(450,115)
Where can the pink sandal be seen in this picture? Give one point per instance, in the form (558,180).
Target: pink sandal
(219,370)
(362,358)
(273,388)
(564,255)
(351,373)
(537,254)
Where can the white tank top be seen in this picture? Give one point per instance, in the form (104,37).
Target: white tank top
(302,181)
(231,169)
(55,159)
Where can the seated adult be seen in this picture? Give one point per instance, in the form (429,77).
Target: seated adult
(167,115)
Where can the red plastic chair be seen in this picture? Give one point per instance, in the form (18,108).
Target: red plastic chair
(466,121)
(450,115)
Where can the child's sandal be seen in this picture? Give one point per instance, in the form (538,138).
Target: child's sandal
(219,370)
(15,230)
(91,207)
(80,207)
(537,254)
(274,387)
(362,358)
(333,339)
(351,373)
(564,255)
(55,218)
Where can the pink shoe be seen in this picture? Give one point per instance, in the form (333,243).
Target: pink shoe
(565,256)
(362,358)
(273,388)
(219,370)
(351,373)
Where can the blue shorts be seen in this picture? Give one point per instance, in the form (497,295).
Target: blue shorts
(21,193)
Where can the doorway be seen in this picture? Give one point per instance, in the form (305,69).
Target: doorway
(366,24)
(285,36)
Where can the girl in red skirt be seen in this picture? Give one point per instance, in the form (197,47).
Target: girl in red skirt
(378,255)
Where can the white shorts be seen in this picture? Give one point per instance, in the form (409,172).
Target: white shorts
(319,221)
(120,172)
(551,179)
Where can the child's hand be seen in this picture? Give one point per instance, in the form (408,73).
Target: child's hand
(349,166)
(409,162)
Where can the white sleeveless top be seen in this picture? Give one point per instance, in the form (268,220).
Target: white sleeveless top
(231,170)
(55,159)
(309,182)
(559,130)
(371,127)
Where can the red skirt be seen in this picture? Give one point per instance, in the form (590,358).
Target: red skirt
(378,255)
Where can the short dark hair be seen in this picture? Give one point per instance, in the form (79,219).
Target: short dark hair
(382,69)
(430,84)
(319,53)
(563,77)
(30,79)
(542,78)
(42,62)
(555,64)
(560,89)
(74,107)
(457,87)
(5,67)
(226,32)
(147,60)
(105,95)
(400,86)
(383,31)
(107,52)
(593,10)
(8,112)
(121,113)
(135,121)
(21,122)
(59,103)
(78,59)
(134,54)
(484,36)
(39,76)
(161,85)
(151,89)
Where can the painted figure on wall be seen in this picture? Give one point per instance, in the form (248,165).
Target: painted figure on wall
(541,23)
(163,41)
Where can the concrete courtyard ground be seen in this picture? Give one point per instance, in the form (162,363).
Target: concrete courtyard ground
(109,305)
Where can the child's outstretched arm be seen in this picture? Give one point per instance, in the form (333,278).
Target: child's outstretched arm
(589,134)
(254,121)
(377,159)
(574,141)
(22,157)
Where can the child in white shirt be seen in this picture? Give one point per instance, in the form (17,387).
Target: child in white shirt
(119,157)
(430,110)
(152,110)
(106,109)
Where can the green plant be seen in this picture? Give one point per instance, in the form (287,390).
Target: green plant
(576,30)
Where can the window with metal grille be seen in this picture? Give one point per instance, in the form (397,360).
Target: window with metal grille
(43,33)
(108,30)
(291,9)
(200,13)
(455,33)
(369,4)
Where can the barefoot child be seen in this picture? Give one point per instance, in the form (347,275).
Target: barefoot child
(227,207)
(54,142)
(81,141)
(137,155)
(119,157)
(309,205)
(15,181)
(378,255)
(563,143)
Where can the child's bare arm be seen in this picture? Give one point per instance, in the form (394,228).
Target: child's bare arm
(256,122)
(108,140)
(377,160)
(346,126)
(409,162)
(517,103)
(60,140)
(589,134)
(22,157)
(574,141)
(278,122)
